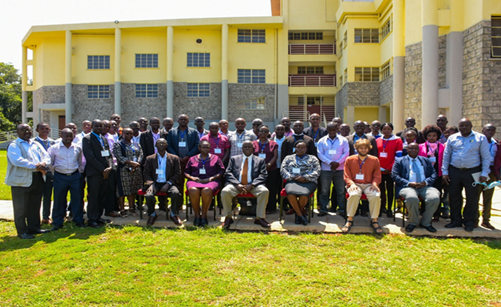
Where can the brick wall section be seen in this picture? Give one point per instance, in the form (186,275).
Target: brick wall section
(207,107)
(90,109)
(363,93)
(133,108)
(49,94)
(241,92)
(386,91)
(342,100)
(442,53)
(413,81)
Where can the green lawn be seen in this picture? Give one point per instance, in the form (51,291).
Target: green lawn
(4,189)
(158,267)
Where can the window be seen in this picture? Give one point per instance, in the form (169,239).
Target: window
(251,36)
(310,70)
(98,62)
(385,70)
(366,74)
(98,91)
(366,35)
(301,36)
(198,90)
(146,90)
(146,60)
(251,76)
(252,104)
(386,29)
(309,100)
(496,36)
(198,59)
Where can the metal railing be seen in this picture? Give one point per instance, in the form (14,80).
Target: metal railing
(312,80)
(312,49)
(7,136)
(297,114)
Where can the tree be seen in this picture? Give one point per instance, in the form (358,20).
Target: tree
(10,97)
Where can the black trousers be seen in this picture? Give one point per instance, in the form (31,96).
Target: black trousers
(271,184)
(462,179)
(97,188)
(26,202)
(47,195)
(111,192)
(386,186)
(172,193)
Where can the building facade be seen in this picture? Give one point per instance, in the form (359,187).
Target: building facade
(360,60)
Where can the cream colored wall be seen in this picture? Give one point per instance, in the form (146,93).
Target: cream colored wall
(134,42)
(84,45)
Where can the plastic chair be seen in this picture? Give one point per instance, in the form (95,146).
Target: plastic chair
(140,193)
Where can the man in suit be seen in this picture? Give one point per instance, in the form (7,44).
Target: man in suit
(246,173)
(150,137)
(161,172)
(411,122)
(97,168)
(288,144)
(315,131)
(414,177)
(359,128)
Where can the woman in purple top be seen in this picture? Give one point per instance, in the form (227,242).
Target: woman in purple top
(268,150)
(203,172)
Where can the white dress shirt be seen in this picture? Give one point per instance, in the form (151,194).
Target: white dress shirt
(412,175)
(249,169)
(66,160)
(162,163)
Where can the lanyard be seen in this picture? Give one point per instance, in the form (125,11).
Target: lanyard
(42,142)
(131,147)
(204,160)
(182,134)
(361,164)
(299,159)
(385,143)
(300,137)
(160,159)
(359,137)
(99,138)
(332,141)
(315,136)
(216,140)
(262,146)
(429,147)
(116,138)
(240,136)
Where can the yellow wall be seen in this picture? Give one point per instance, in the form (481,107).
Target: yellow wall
(413,28)
(84,45)
(143,42)
(361,54)
(38,56)
(299,20)
(367,114)
(53,65)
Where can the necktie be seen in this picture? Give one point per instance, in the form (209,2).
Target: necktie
(245,170)
(416,171)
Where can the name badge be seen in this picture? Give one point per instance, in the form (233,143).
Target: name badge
(262,155)
(432,159)
(359,176)
(239,145)
(105,153)
(332,151)
(159,171)
(383,154)
(202,171)
(182,144)
(217,150)
(296,170)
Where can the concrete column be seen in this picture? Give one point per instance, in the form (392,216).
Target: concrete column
(24,94)
(118,71)
(170,74)
(350,115)
(224,72)
(397,116)
(67,78)
(283,64)
(429,103)
(382,114)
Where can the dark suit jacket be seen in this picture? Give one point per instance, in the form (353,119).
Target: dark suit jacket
(288,145)
(258,173)
(146,142)
(400,172)
(172,169)
(92,148)
(321,133)
(372,152)
(191,137)
(420,138)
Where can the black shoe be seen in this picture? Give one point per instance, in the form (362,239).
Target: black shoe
(322,213)
(297,221)
(383,210)
(430,228)
(410,228)
(103,221)
(468,228)
(196,222)
(56,227)
(303,220)
(38,231)
(364,213)
(26,236)
(80,225)
(203,222)
(94,224)
(453,225)
(389,213)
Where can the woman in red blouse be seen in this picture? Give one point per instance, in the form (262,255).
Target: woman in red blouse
(389,147)
(268,150)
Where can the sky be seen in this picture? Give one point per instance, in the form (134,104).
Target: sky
(18,16)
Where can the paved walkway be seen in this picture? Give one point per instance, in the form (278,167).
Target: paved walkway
(331,223)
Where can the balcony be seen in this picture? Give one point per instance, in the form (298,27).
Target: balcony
(312,49)
(312,80)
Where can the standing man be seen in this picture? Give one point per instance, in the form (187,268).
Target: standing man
(43,130)
(149,138)
(489,131)
(344,130)
(288,144)
(118,120)
(359,128)
(200,123)
(376,129)
(26,166)
(143,124)
(168,123)
(315,131)
(86,129)
(333,150)
(66,163)
(286,122)
(223,127)
(411,122)
(338,121)
(109,133)
(97,168)
(136,137)
(219,144)
(256,123)
(442,124)
(238,137)
(466,154)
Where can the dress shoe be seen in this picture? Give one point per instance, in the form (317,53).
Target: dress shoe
(151,220)
(112,214)
(453,225)
(26,236)
(46,221)
(203,222)
(389,213)
(56,227)
(196,222)
(80,225)
(296,220)
(487,225)
(430,228)
(93,224)
(322,213)
(176,220)
(103,221)
(475,225)
(227,222)
(303,219)
(262,222)
(38,231)
(290,211)
(468,228)
(410,228)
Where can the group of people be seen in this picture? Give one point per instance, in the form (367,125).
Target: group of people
(361,173)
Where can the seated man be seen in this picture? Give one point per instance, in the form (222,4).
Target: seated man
(161,172)
(362,174)
(246,173)
(414,177)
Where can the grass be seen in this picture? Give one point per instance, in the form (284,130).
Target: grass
(139,266)
(4,189)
